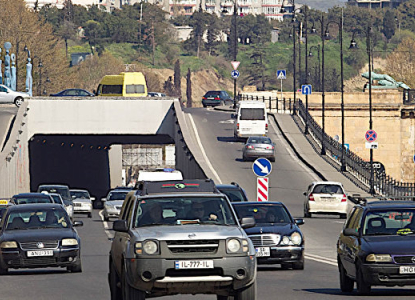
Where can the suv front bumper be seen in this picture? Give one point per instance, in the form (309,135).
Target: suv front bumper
(159,276)
(386,274)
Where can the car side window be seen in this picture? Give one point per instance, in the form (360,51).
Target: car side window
(354,220)
(2,89)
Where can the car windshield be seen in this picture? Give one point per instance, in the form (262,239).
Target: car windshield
(264,214)
(79,194)
(42,218)
(259,140)
(183,211)
(30,200)
(389,222)
(327,189)
(234,195)
(117,195)
(57,199)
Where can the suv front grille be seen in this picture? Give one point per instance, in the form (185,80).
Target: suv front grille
(34,245)
(261,240)
(193,246)
(407,259)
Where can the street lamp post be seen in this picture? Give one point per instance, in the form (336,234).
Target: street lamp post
(353,45)
(235,49)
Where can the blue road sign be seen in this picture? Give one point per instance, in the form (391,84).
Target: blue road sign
(414,158)
(306,89)
(235,74)
(346,147)
(371,135)
(262,167)
(281,74)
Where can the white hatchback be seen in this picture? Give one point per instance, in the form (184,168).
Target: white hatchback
(325,197)
(7,95)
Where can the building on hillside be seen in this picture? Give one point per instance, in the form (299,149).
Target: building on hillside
(108,5)
(376,3)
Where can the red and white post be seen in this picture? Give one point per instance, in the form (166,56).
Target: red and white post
(262,189)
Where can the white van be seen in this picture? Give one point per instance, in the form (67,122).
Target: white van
(159,175)
(251,119)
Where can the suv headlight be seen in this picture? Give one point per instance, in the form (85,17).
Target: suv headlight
(147,247)
(380,258)
(8,245)
(69,242)
(237,246)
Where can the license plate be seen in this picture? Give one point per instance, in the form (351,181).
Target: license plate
(262,251)
(406,270)
(39,253)
(193,264)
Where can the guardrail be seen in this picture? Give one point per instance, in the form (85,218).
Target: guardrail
(360,169)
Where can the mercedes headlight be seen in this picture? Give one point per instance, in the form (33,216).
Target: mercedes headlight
(233,245)
(380,258)
(7,245)
(296,238)
(285,240)
(69,242)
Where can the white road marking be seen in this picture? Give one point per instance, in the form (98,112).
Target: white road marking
(203,151)
(324,260)
(106,226)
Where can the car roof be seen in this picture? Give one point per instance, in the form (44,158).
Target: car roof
(228,186)
(36,206)
(326,182)
(256,203)
(54,185)
(31,195)
(194,186)
(390,203)
(77,190)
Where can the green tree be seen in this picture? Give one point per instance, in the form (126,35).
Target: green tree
(177,79)
(188,88)
(199,21)
(389,25)
(93,32)
(212,35)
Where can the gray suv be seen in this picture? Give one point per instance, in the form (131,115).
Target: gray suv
(181,237)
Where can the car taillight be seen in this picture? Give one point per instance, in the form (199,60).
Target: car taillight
(270,147)
(250,147)
(203,98)
(311,197)
(217,98)
(266,126)
(344,198)
(237,126)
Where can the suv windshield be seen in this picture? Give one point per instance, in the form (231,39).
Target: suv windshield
(389,222)
(183,211)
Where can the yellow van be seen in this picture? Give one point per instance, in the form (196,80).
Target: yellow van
(126,84)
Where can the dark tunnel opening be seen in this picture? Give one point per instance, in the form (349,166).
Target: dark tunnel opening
(79,161)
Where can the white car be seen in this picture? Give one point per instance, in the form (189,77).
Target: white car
(7,95)
(325,197)
(113,203)
(57,198)
(82,202)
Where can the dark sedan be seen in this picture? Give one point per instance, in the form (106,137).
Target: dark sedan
(233,191)
(215,98)
(73,93)
(39,236)
(30,198)
(377,246)
(276,235)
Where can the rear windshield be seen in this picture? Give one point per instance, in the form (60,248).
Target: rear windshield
(259,140)
(63,191)
(134,89)
(111,89)
(30,200)
(212,94)
(328,189)
(252,114)
(234,195)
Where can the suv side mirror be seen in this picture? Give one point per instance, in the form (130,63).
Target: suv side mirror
(248,222)
(103,199)
(305,193)
(77,223)
(299,221)
(350,232)
(120,225)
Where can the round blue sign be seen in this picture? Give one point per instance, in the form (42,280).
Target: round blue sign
(262,167)
(235,74)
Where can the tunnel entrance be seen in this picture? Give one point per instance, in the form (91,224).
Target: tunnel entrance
(79,161)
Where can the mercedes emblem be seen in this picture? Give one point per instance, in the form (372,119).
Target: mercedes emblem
(40,245)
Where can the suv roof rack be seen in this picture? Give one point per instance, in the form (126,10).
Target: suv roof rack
(178,186)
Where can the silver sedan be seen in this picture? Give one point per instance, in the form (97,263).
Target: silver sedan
(258,146)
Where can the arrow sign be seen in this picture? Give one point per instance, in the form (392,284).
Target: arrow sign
(235,74)
(235,64)
(306,89)
(262,167)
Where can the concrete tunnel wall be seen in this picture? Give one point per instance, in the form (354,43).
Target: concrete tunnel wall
(110,119)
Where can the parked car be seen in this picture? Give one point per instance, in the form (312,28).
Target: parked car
(215,98)
(82,202)
(7,95)
(155,94)
(30,198)
(376,246)
(39,236)
(73,93)
(276,236)
(233,191)
(325,197)
(258,146)
(181,237)
(113,203)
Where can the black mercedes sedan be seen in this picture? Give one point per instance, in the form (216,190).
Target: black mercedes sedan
(276,236)
(39,236)
(377,246)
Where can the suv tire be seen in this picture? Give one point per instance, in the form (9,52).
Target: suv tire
(113,282)
(362,287)
(346,283)
(76,267)
(130,293)
(247,294)
(298,265)
(3,271)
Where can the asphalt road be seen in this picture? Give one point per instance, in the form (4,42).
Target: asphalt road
(288,180)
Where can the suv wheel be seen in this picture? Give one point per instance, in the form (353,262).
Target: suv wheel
(362,287)
(113,281)
(130,293)
(247,294)
(307,214)
(346,284)
(76,267)
(3,271)
(298,265)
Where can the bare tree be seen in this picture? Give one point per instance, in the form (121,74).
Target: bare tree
(188,89)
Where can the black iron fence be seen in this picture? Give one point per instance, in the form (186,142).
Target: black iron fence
(360,169)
